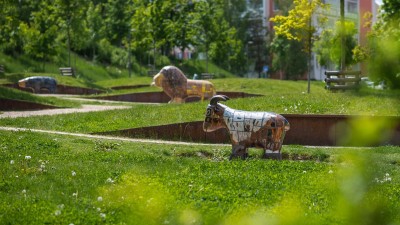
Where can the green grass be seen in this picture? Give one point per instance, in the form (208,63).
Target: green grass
(9,93)
(125,82)
(62,80)
(285,97)
(53,179)
(86,70)
(190,67)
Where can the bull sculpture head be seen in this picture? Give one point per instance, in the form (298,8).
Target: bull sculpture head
(214,114)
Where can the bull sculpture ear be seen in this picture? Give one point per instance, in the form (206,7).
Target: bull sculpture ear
(215,99)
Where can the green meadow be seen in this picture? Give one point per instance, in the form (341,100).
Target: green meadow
(64,179)
(58,179)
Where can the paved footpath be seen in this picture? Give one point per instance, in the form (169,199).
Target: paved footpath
(109,137)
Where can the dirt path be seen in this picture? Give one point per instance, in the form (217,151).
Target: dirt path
(109,137)
(84,108)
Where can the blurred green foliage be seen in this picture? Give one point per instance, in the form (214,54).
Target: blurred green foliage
(382,52)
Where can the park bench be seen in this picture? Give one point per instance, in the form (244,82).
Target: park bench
(342,80)
(206,76)
(1,69)
(67,71)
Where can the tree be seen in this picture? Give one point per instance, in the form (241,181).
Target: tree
(382,52)
(94,25)
(328,46)
(180,27)
(13,13)
(39,34)
(71,14)
(105,29)
(116,21)
(206,26)
(384,62)
(288,57)
(214,36)
(297,25)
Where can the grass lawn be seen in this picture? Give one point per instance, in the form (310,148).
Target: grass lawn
(9,93)
(59,179)
(279,96)
(54,179)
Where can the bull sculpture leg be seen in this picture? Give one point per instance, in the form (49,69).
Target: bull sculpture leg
(272,149)
(269,154)
(239,150)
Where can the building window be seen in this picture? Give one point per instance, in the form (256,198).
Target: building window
(276,5)
(352,6)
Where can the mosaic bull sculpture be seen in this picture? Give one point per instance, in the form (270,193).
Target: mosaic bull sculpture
(175,84)
(247,129)
(37,83)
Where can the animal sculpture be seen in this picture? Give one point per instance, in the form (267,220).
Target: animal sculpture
(175,84)
(39,82)
(264,130)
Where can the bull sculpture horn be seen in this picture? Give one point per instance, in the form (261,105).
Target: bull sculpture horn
(214,100)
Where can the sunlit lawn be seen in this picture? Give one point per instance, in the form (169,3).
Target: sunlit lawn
(54,179)
(285,97)
(10,93)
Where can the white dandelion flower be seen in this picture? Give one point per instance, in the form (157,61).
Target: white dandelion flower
(57,212)
(109,180)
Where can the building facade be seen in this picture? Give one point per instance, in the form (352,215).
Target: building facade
(354,11)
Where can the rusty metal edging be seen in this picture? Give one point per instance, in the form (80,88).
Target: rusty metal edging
(315,130)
